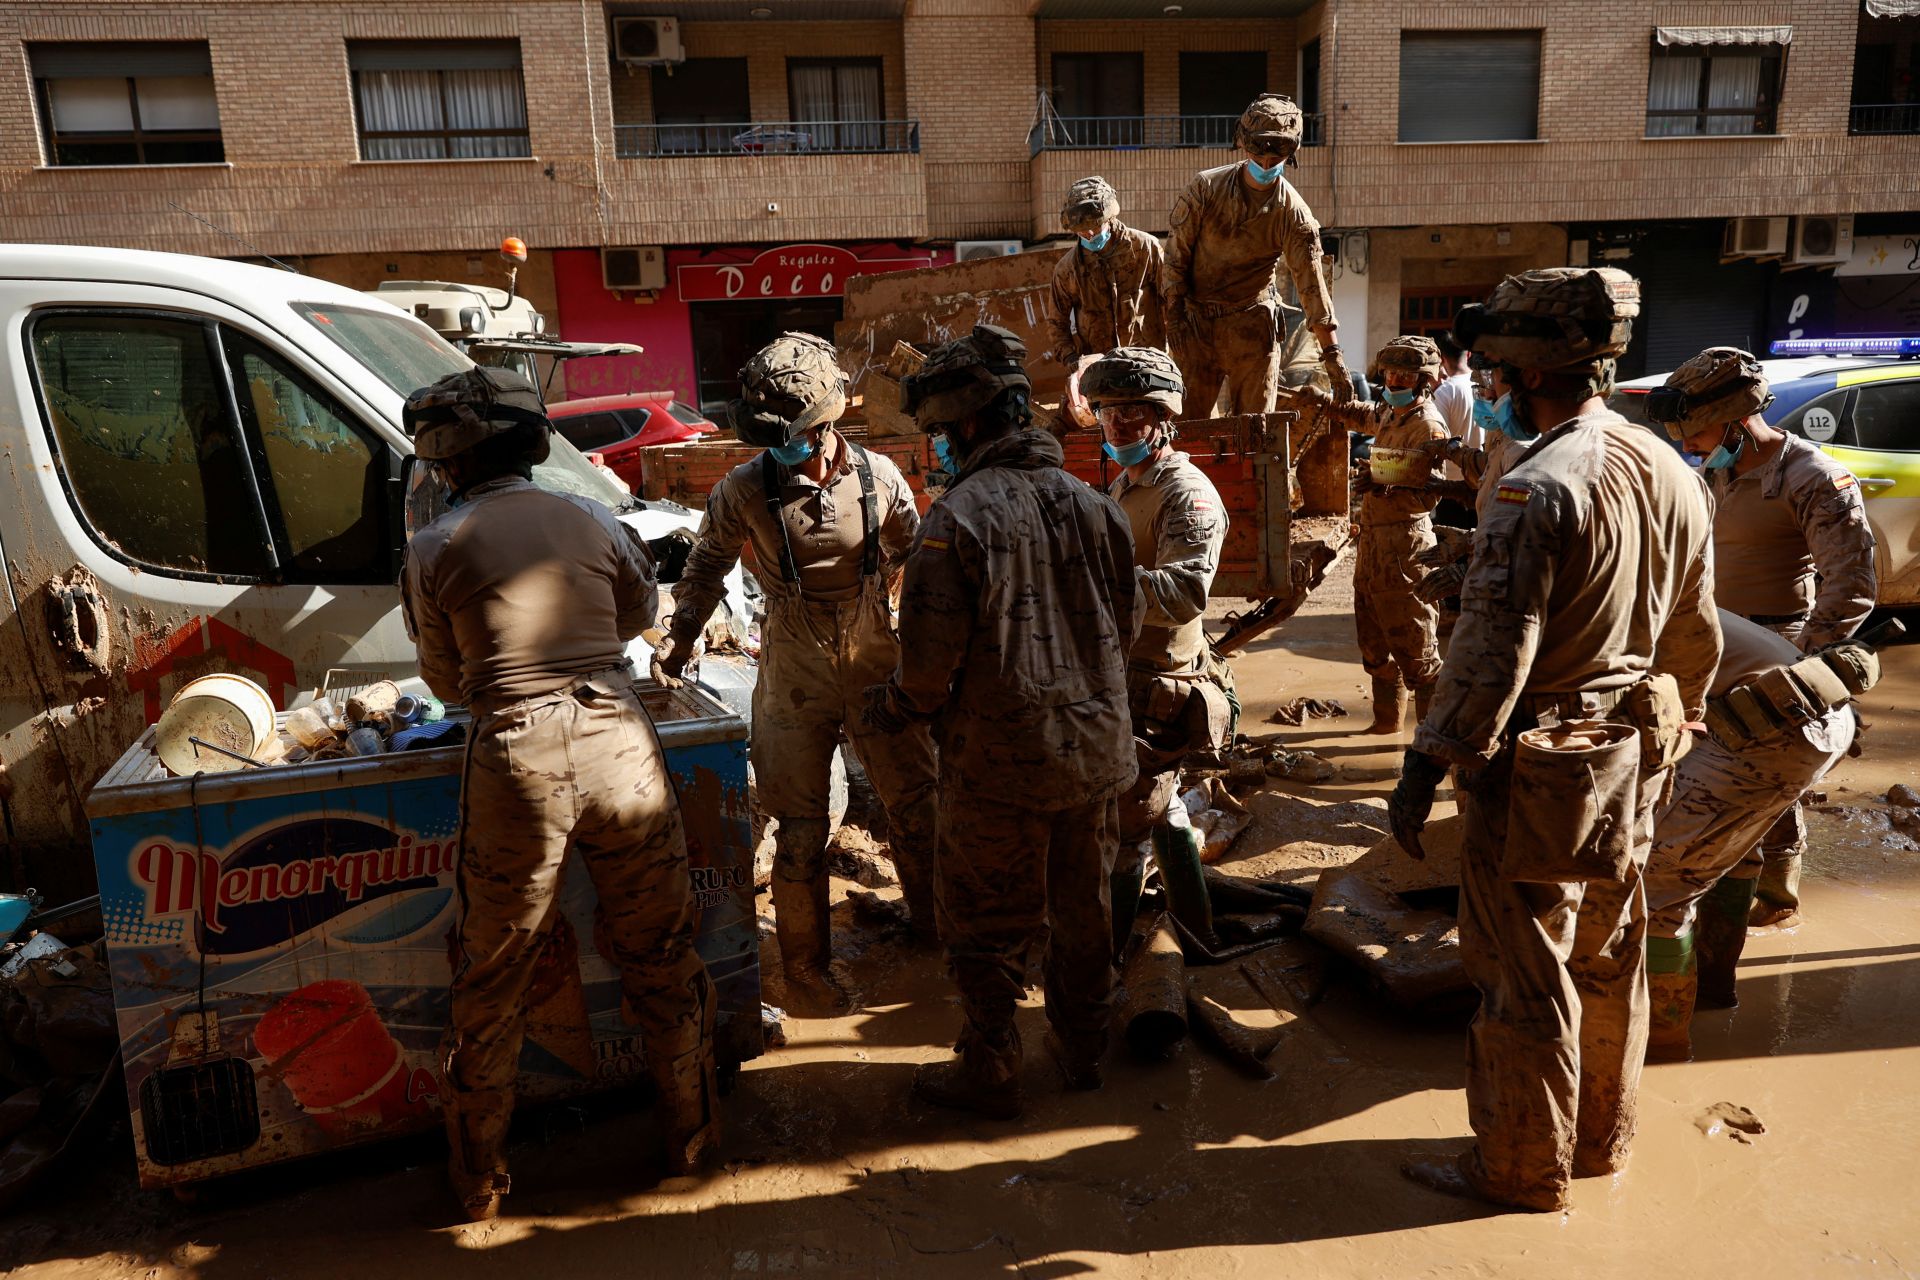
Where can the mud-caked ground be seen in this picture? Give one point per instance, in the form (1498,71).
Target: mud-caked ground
(1177,1168)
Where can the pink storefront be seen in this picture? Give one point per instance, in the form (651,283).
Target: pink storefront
(719,306)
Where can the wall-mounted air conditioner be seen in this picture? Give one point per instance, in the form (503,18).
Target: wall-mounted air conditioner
(968,250)
(646,42)
(641,267)
(1822,240)
(1754,238)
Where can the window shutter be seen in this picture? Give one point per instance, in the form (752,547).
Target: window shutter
(434,55)
(1469,86)
(90,61)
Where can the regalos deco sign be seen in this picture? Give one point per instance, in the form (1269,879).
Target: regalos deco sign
(796,271)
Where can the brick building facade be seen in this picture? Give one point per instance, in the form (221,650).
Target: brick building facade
(895,128)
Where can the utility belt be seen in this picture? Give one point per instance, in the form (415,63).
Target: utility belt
(609,680)
(1784,698)
(1214,310)
(1175,713)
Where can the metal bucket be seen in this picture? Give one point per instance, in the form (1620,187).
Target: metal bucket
(228,711)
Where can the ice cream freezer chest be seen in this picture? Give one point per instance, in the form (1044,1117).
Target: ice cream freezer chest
(281,945)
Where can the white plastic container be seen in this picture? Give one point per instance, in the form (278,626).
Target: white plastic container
(228,711)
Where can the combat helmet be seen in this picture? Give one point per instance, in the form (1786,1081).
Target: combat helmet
(1718,386)
(1134,375)
(966,375)
(1412,353)
(1270,121)
(1089,203)
(463,409)
(1571,318)
(789,387)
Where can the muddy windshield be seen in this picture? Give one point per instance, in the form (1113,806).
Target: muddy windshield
(401,352)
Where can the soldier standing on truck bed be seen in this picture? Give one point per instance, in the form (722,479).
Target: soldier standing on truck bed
(1231,228)
(1589,600)
(830,525)
(1792,551)
(1015,622)
(520,603)
(1106,289)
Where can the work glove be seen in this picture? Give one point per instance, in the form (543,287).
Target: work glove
(1412,801)
(670,552)
(669,665)
(1338,374)
(1441,583)
(880,712)
(1452,545)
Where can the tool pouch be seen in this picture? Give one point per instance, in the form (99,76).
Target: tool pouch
(1653,706)
(1572,801)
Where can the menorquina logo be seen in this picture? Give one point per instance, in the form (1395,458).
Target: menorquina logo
(285,881)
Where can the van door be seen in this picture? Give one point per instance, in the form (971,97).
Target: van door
(191,494)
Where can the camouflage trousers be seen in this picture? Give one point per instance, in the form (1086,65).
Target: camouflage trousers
(1723,801)
(1398,630)
(1005,875)
(1784,843)
(1240,351)
(577,773)
(1555,1051)
(816,661)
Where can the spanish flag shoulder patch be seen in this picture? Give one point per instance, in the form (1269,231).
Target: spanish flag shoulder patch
(934,544)
(1514,493)
(1845,480)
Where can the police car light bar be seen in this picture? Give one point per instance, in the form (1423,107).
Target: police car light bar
(1845,347)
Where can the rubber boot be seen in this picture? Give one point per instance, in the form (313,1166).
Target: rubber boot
(1671,986)
(1778,891)
(1389,707)
(982,1078)
(1719,936)
(804,926)
(477,1121)
(1176,850)
(688,1102)
(1124,888)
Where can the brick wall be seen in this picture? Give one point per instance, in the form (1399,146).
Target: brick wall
(971,84)
(766,46)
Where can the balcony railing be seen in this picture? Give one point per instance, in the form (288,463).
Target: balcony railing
(1143,133)
(766,138)
(1703,122)
(1884,117)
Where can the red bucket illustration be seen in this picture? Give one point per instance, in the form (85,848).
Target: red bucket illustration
(326,1042)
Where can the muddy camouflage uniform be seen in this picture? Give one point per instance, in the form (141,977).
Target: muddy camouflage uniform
(1107,297)
(1591,570)
(1397,629)
(1015,622)
(562,760)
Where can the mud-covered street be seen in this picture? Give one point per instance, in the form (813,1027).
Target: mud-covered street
(1177,1169)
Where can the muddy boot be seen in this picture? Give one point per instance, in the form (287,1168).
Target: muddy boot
(1124,887)
(688,1101)
(1389,707)
(1460,1176)
(1176,850)
(477,1121)
(803,924)
(981,1079)
(1671,985)
(1719,936)
(1778,891)
(1079,1064)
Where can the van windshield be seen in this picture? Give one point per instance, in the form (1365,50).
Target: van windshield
(401,352)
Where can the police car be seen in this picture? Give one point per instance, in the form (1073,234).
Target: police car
(1859,399)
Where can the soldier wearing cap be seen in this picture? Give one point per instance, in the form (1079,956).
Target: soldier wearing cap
(1792,551)
(830,524)
(562,760)
(1230,229)
(1591,572)
(1180,695)
(1015,622)
(1106,289)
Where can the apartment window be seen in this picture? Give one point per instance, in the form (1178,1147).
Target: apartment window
(1469,86)
(127,103)
(1310,92)
(837,103)
(699,107)
(439,100)
(1699,89)
(1101,97)
(1214,89)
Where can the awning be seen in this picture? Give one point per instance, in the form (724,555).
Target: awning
(1893,8)
(1723,35)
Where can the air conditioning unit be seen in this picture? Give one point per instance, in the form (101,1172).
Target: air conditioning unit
(1754,238)
(968,250)
(1822,240)
(647,42)
(625,270)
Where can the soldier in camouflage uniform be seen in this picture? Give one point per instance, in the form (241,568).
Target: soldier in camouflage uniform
(1591,573)
(1230,229)
(1179,694)
(1791,544)
(1776,722)
(830,524)
(1504,442)
(562,760)
(1015,622)
(1106,289)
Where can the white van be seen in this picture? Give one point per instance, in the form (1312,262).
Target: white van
(204,472)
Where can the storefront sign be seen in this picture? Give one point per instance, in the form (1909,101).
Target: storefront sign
(794,271)
(1882,256)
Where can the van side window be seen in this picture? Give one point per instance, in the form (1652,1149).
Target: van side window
(1822,420)
(328,479)
(1887,415)
(154,461)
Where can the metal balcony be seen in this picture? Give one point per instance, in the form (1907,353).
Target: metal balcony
(766,138)
(1143,133)
(1884,117)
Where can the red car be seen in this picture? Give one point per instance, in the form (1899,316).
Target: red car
(619,427)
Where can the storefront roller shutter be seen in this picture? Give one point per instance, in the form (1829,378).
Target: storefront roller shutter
(1691,301)
(1469,86)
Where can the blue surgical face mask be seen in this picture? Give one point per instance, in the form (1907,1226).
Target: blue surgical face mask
(1129,455)
(1399,397)
(1096,243)
(794,452)
(1499,416)
(1723,457)
(1263,176)
(943,451)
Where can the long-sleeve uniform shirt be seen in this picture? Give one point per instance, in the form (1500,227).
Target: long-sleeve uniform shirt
(517,591)
(1179,528)
(1591,569)
(1226,240)
(1107,297)
(1408,428)
(1791,538)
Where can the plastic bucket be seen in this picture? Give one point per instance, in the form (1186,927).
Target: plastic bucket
(227,711)
(1406,467)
